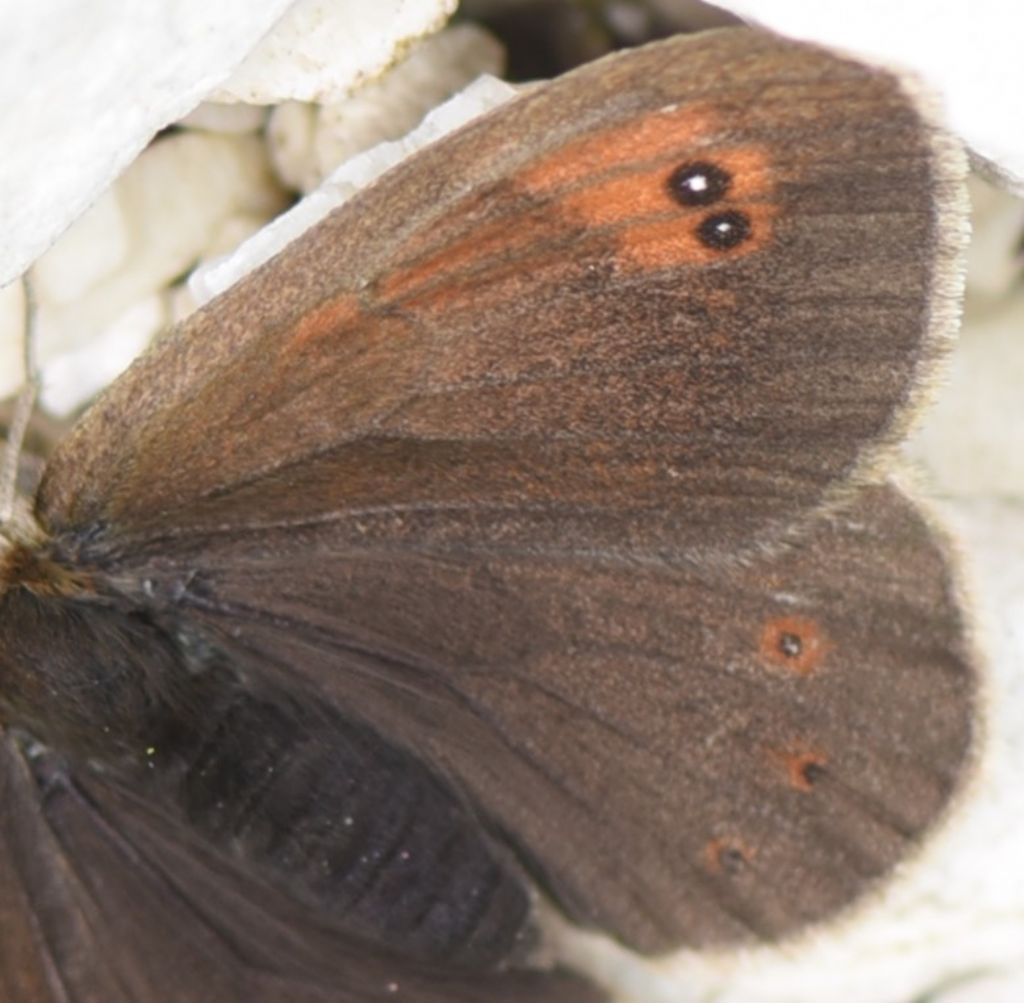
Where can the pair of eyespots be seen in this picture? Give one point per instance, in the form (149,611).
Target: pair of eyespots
(703,183)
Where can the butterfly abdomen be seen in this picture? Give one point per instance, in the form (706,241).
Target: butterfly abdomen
(351,826)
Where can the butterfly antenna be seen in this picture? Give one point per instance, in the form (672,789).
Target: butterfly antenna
(22,413)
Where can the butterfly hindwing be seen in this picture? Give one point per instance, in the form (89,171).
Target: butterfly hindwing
(805,714)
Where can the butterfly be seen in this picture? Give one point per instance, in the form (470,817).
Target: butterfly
(517,540)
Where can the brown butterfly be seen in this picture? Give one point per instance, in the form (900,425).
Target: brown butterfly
(504,539)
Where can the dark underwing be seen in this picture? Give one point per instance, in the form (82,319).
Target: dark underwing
(507,538)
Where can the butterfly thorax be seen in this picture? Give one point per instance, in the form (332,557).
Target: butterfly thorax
(74,671)
(27,562)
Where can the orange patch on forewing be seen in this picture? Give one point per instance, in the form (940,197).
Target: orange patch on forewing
(651,228)
(795,643)
(621,198)
(644,138)
(644,192)
(327,319)
(750,168)
(618,183)
(487,289)
(489,244)
(803,766)
(727,855)
(667,243)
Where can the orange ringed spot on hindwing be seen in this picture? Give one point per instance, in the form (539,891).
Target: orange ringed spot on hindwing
(795,643)
(727,856)
(803,766)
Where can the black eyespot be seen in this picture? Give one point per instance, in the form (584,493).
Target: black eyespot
(727,856)
(790,645)
(732,860)
(724,230)
(699,183)
(812,772)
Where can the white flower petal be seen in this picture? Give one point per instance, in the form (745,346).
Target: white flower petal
(309,141)
(85,86)
(324,49)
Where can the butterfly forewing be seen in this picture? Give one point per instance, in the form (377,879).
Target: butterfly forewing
(696,300)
